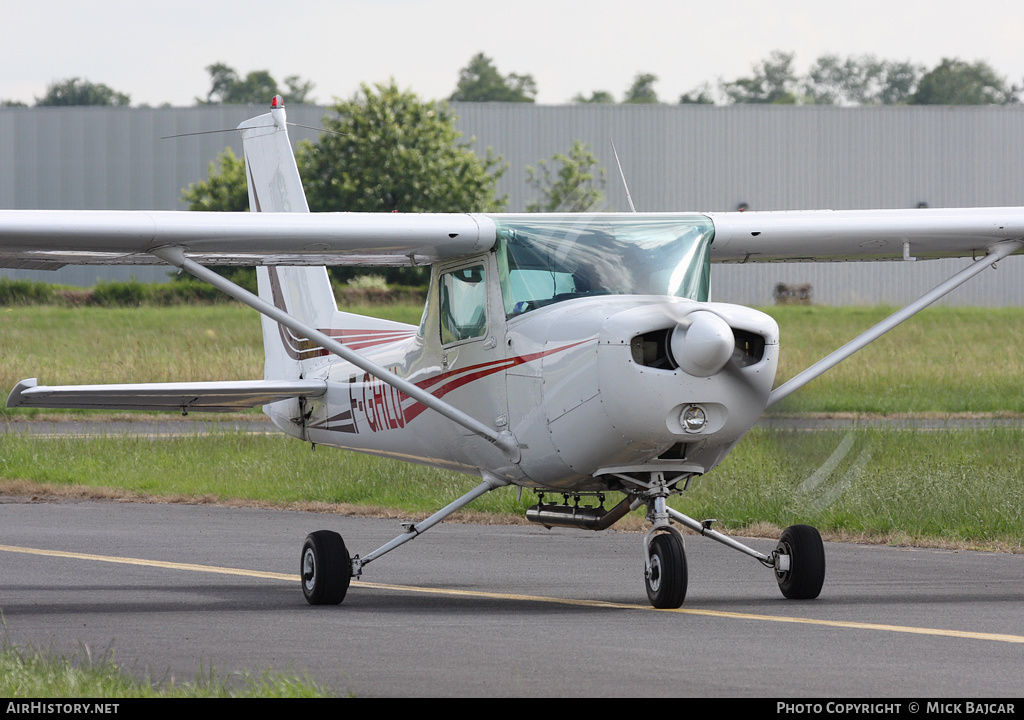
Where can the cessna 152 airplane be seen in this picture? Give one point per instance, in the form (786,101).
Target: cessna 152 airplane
(569,353)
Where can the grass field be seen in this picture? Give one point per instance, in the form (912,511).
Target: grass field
(961,487)
(956,487)
(945,360)
(63,345)
(31,673)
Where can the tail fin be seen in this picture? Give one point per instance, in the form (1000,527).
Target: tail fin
(303,292)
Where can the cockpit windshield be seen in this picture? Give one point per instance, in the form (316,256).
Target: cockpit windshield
(547,259)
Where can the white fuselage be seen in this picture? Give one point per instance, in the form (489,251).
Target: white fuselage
(587,386)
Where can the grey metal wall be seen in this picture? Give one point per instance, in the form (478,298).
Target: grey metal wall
(93,158)
(675,158)
(86,158)
(772,157)
(684,158)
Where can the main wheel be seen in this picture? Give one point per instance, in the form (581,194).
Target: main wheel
(806,553)
(326,568)
(666,580)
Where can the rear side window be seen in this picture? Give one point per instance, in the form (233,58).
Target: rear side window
(463,304)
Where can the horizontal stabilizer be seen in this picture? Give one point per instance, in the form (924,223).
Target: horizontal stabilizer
(176,397)
(30,262)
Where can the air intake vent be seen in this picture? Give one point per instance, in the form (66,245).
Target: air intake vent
(749,348)
(651,350)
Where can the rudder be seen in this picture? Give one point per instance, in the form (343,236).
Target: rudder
(304,292)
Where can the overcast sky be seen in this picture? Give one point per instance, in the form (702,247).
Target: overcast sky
(158,52)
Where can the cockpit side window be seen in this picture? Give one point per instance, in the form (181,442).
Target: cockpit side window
(463,295)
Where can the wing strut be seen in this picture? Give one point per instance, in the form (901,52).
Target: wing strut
(995,253)
(504,440)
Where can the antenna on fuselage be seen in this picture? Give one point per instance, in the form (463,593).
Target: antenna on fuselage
(276,102)
(230,130)
(622,175)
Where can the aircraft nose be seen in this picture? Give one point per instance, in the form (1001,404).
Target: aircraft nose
(702,343)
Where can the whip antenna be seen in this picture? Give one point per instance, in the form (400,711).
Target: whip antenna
(622,175)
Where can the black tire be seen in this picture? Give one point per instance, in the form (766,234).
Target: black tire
(806,572)
(666,582)
(325,568)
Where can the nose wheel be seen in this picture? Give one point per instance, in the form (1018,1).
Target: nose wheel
(666,571)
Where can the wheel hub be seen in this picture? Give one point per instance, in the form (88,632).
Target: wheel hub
(654,574)
(783,560)
(308,569)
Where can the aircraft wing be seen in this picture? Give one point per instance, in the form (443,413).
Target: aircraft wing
(49,239)
(182,397)
(822,235)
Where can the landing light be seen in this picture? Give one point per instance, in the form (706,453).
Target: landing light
(693,418)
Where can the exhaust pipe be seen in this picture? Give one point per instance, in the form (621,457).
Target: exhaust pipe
(574,516)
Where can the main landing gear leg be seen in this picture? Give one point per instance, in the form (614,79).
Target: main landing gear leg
(327,569)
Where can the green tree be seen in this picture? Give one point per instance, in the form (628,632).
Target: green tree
(863,80)
(577,185)
(385,150)
(389,150)
(832,81)
(774,81)
(597,97)
(299,91)
(227,87)
(76,91)
(480,81)
(900,81)
(641,92)
(698,96)
(956,82)
(224,190)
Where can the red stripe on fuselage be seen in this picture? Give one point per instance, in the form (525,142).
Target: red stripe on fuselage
(455,379)
(301,348)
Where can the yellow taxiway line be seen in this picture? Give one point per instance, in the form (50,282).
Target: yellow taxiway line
(996,637)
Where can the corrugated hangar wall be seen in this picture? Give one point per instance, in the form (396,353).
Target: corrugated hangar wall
(675,158)
(682,158)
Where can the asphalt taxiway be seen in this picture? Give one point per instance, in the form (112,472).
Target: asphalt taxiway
(499,610)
